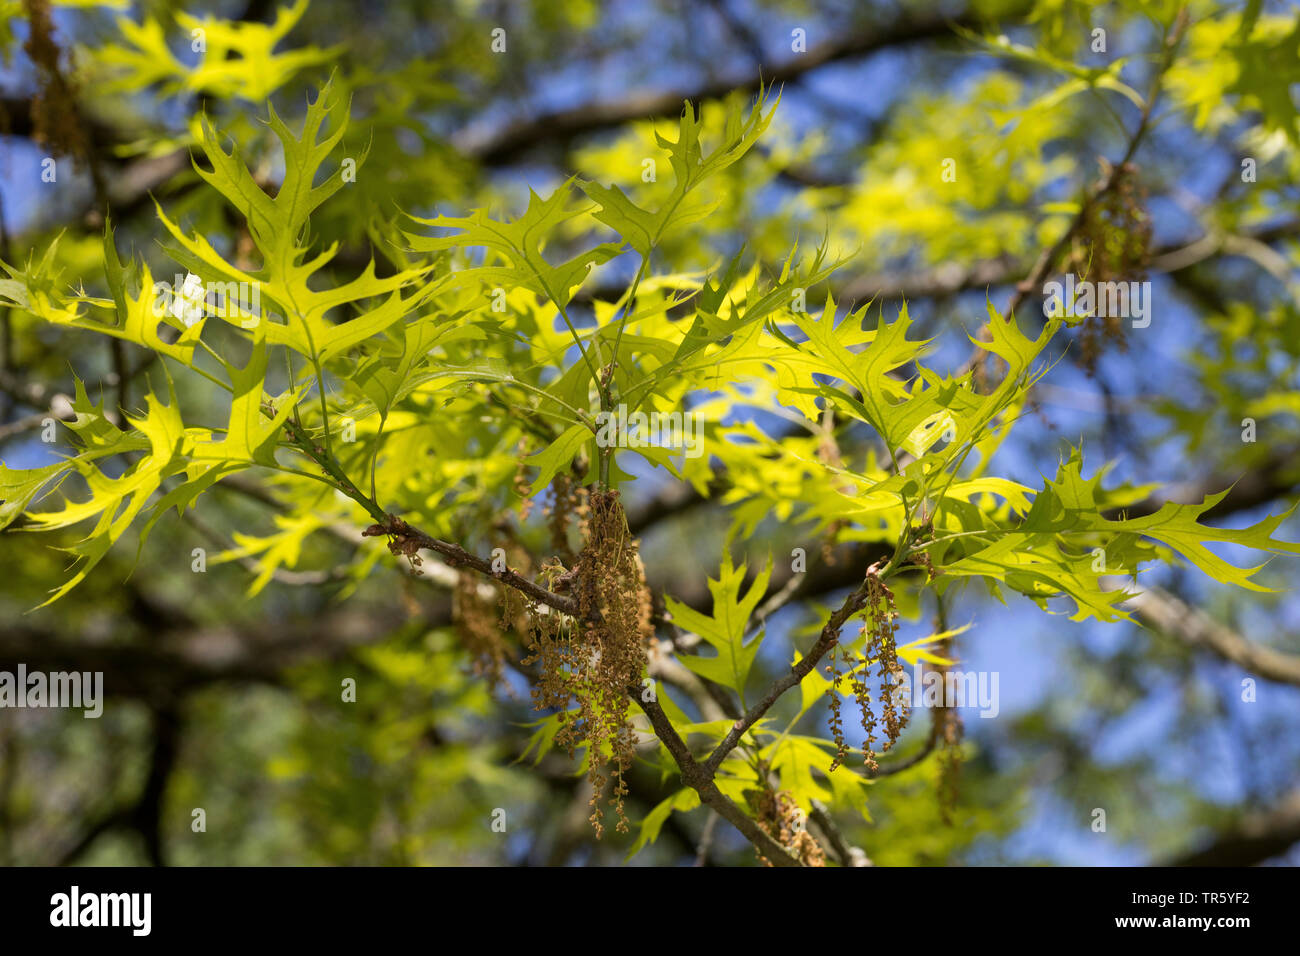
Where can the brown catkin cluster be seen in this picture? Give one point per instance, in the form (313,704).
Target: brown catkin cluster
(781,818)
(1112,244)
(480,623)
(514,611)
(588,662)
(836,714)
(880,647)
(55,123)
(565,505)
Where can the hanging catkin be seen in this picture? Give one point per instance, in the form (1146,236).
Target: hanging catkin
(588,662)
(880,648)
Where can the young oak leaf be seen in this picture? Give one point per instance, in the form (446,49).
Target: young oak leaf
(724,629)
(239,59)
(1034,556)
(643,229)
(278,226)
(520,242)
(118,501)
(683,800)
(137,318)
(1069,504)
(97,438)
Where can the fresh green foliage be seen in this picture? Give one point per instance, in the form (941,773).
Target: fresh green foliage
(472,372)
(238,58)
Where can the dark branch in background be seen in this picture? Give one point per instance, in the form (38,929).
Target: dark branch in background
(1256,838)
(1165,613)
(126,186)
(942,281)
(181,657)
(10,756)
(559,128)
(144,814)
(1273,478)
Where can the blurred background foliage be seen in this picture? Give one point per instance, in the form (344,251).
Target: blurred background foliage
(226,697)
